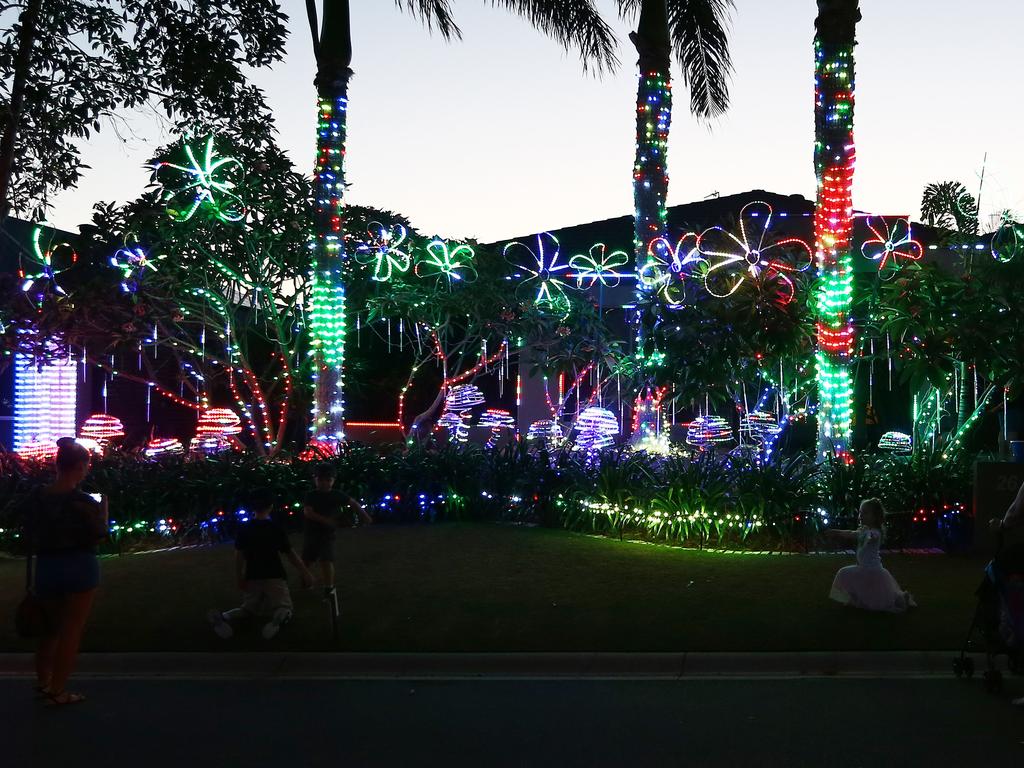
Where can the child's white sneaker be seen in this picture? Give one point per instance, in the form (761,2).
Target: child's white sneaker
(272,627)
(221,628)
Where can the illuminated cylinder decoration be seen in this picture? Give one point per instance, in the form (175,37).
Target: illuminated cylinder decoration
(708,431)
(497,419)
(759,427)
(44,402)
(650,175)
(462,397)
(547,430)
(327,313)
(169,446)
(596,428)
(896,442)
(102,428)
(834,159)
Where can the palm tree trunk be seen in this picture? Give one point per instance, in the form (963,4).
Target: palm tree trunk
(22,63)
(834,157)
(327,317)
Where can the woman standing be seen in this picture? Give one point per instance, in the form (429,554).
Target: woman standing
(64,526)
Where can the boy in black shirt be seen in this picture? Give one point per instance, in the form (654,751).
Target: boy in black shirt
(261,576)
(322,509)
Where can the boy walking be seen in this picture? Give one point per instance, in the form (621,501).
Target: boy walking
(261,575)
(322,511)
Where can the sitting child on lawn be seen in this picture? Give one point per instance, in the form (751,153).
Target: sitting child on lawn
(867,584)
(261,575)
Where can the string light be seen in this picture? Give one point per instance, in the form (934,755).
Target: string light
(498,420)
(759,427)
(102,428)
(754,252)
(650,174)
(708,431)
(202,185)
(598,266)
(218,422)
(463,397)
(44,259)
(133,263)
(452,265)
(327,315)
(596,428)
(834,160)
(158,447)
(547,431)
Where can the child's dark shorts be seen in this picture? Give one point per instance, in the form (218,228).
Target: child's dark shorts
(317,548)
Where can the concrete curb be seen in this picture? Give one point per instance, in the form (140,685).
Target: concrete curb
(497,666)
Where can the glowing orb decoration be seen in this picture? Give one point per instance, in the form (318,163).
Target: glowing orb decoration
(548,430)
(759,427)
(101,427)
(1008,240)
(133,263)
(169,446)
(383,251)
(444,263)
(319,450)
(892,242)
(598,266)
(541,274)
(462,397)
(596,428)
(708,431)
(497,419)
(730,258)
(37,451)
(202,184)
(896,442)
(210,444)
(92,446)
(457,425)
(218,422)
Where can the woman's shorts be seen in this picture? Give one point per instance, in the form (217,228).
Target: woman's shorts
(58,575)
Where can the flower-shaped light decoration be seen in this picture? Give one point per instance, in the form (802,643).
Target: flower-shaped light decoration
(730,259)
(383,250)
(759,427)
(133,263)
(598,266)
(201,184)
(1008,240)
(542,283)
(896,442)
(667,265)
(497,419)
(455,265)
(890,243)
(49,259)
(708,431)
(170,446)
(596,428)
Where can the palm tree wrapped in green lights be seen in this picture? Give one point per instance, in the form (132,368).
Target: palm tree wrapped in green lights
(696,31)
(572,23)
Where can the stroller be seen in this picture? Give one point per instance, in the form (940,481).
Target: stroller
(998,618)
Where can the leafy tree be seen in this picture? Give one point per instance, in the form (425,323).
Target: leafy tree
(68,66)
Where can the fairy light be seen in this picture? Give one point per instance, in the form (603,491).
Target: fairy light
(384,252)
(327,313)
(596,428)
(708,431)
(498,420)
(218,422)
(543,283)
(834,160)
(158,447)
(896,442)
(759,427)
(650,173)
(45,397)
(893,243)
(202,185)
(646,426)
(548,431)
(463,397)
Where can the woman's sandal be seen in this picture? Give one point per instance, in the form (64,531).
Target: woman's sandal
(63,699)
(42,691)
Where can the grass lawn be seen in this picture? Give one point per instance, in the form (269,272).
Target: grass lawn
(477,587)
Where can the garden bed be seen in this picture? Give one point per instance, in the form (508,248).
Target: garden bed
(486,587)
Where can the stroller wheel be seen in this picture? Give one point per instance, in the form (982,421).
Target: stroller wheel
(993,680)
(968,666)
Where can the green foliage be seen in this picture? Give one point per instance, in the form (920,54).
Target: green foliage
(91,59)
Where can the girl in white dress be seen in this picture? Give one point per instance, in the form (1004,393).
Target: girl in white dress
(867,584)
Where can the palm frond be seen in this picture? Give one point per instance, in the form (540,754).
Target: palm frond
(573,24)
(699,30)
(434,13)
(948,204)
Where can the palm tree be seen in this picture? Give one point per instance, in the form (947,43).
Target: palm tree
(572,23)
(834,156)
(696,31)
